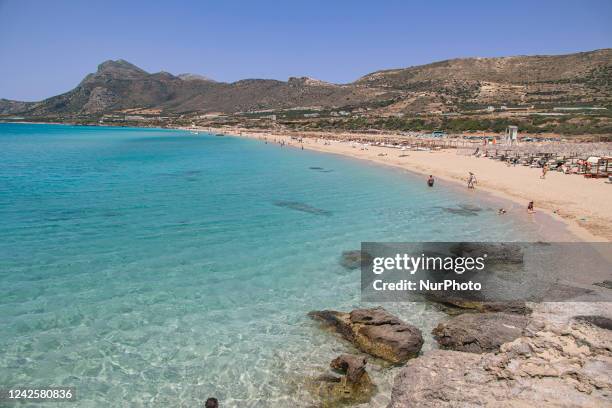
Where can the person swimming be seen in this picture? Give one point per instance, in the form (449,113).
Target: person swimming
(430,181)
(211,403)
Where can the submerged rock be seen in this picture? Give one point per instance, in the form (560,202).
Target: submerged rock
(320,169)
(569,366)
(354,259)
(376,332)
(303,207)
(465,210)
(348,384)
(479,333)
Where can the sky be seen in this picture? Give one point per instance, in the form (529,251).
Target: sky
(47,47)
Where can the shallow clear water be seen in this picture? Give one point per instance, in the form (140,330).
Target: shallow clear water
(155,268)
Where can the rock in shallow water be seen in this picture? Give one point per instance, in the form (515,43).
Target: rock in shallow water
(465,210)
(376,332)
(349,384)
(302,207)
(479,333)
(354,259)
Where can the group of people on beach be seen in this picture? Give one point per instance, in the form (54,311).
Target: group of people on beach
(471,182)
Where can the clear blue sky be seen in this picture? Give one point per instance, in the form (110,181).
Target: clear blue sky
(46,47)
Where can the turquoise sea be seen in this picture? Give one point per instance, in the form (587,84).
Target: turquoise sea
(155,268)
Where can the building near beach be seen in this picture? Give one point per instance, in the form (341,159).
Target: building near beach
(511,137)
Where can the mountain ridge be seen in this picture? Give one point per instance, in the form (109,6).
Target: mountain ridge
(442,86)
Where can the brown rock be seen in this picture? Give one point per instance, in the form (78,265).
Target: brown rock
(376,332)
(455,305)
(352,366)
(554,367)
(599,321)
(352,386)
(479,333)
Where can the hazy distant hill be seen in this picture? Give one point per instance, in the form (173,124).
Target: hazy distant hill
(582,78)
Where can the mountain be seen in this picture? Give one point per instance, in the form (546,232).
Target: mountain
(446,86)
(8,107)
(193,77)
(119,85)
(584,77)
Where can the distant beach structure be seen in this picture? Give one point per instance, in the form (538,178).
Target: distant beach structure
(511,136)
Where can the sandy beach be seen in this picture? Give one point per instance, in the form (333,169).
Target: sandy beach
(584,205)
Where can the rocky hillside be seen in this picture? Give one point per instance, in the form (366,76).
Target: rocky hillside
(453,85)
(582,78)
(8,107)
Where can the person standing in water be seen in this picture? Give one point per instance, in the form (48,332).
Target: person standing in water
(471,180)
(430,181)
(530,209)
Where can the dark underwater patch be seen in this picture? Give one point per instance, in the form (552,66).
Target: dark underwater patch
(320,169)
(354,259)
(465,210)
(303,207)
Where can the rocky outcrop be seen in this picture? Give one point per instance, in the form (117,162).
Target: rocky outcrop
(349,383)
(605,284)
(506,253)
(376,332)
(454,305)
(479,333)
(100,99)
(599,321)
(567,365)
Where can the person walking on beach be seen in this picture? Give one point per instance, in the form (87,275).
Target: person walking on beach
(211,403)
(530,209)
(430,181)
(472,180)
(544,171)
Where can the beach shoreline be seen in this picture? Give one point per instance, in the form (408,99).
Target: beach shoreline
(586,219)
(578,203)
